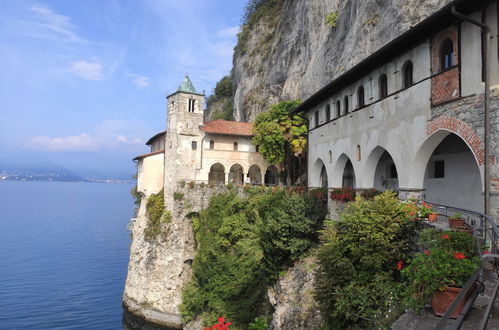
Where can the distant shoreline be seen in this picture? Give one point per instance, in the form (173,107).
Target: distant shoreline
(70,181)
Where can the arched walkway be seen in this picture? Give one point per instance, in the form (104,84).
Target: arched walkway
(217,174)
(236,174)
(380,171)
(343,173)
(255,174)
(319,175)
(271,176)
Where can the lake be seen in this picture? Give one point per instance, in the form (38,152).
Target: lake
(63,254)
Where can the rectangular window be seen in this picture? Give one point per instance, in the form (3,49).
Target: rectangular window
(191,105)
(439,169)
(316,118)
(194,145)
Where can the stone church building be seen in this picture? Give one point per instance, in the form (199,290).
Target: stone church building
(412,116)
(191,150)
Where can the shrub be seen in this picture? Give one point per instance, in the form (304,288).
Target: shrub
(137,197)
(157,216)
(370,193)
(357,284)
(345,194)
(178,196)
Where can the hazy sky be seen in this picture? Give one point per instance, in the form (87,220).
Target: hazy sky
(83,82)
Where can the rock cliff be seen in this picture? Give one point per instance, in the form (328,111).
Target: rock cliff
(290,52)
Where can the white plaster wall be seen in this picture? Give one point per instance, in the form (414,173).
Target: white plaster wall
(471,58)
(150,174)
(492,53)
(226,142)
(461,185)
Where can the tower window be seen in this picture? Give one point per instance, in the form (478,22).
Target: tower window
(212,144)
(191,105)
(235,145)
(194,145)
(383,86)
(360,97)
(345,104)
(408,74)
(447,55)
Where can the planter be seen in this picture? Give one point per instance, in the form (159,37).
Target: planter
(465,230)
(441,300)
(456,223)
(432,217)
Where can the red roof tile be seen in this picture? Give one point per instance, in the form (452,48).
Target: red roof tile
(149,154)
(227,127)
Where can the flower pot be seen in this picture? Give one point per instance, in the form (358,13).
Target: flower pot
(456,223)
(432,217)
(441,300)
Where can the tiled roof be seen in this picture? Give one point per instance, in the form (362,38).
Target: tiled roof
(149,154)
(149,142)
(227,127)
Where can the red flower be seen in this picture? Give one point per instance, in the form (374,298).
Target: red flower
(445,236)
(399,265)
(459,255)
(427,252)
(486,252)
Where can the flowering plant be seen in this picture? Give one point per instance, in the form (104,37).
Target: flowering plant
(448,259)
(345,194)
(417,212)
(221,325)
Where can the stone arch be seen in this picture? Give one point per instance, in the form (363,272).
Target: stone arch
(255,174)
(372,171)
(437,131)
(317,173)
(271,176)
(236,174)
(337,179)
(217,173)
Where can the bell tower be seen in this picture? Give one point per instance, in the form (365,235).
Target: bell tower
(185,109)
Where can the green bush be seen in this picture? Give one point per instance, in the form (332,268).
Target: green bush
(157,216)
(357,282)
(137,197)
(178,196)
(243,244)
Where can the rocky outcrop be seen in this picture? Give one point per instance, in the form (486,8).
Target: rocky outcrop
(294,54)
(292,298)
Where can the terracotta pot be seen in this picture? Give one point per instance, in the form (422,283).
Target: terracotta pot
(433,217)
(441,300)
(456,223)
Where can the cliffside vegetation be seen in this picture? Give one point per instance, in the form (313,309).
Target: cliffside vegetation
(157,216)
(281,138)
(220,104)
(243,245)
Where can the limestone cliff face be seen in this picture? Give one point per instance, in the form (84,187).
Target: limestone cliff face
(295,54)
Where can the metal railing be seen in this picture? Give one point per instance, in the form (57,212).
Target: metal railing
(486,234)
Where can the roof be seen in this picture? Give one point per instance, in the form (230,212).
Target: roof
(150,141)
(406,41)
(187,86)
(149,154)
(226,127)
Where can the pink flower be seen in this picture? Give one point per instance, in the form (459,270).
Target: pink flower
(486,252)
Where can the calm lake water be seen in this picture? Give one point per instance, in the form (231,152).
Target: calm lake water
(63,254)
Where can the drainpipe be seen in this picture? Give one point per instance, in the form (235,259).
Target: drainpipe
(486,137)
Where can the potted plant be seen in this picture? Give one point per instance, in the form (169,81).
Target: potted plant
(438,273)
(456,220)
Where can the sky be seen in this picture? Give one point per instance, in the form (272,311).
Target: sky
(83,82)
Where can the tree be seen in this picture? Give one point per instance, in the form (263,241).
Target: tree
(281,137)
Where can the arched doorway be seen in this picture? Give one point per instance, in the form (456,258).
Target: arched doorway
(386,175)
(217,174)
(236,174)
(323,179)
(255,174)
(348,179)
(271,176)
(452,175)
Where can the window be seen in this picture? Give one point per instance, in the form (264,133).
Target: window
(194,145)
(191,105)
(212,144)
(439,169)
(316,118)
(256,148)
(446,55)
(383,86)
(358,154)
(328,112)
(235,145)
(330,156)
(345,104)
(360,97)
(338,109)
(408,74)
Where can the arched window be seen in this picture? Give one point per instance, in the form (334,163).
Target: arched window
(446,55)
(383,86)
(328,112)
(330,156)
(360,97)
(408,74)
(235,146)
(345,104)
(358,154)
(212,144)
(338,109)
